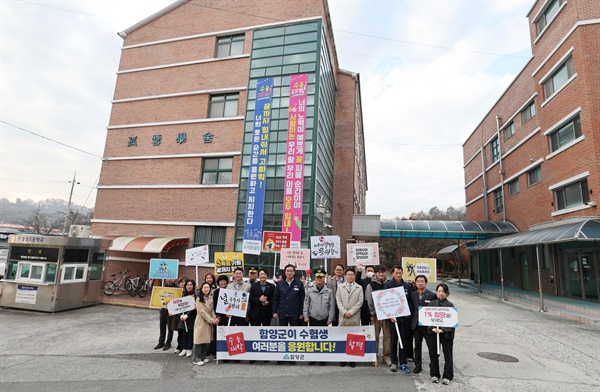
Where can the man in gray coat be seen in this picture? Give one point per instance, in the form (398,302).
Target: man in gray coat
(319,303)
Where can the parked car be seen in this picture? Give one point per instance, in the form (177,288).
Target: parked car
(3,257)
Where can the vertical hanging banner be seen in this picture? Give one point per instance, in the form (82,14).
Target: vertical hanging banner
(294,159)
(257,177)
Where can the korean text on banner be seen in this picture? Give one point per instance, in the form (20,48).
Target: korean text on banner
(257,177)
(414,266)
(227,262)
(438,316)
(300,258)
(274,241)
(325,247)
(365,254)
(323,344)
(196,256)
(232,303)
(294,159)
(163,268)
(181,305)
(161,296)
(390,303)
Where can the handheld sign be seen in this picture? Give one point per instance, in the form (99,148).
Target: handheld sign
(181,305)
(196,256)
(438,317)
(297,257)
(232,303)
(325,247)
(391,303)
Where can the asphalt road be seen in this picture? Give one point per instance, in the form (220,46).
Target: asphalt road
(111,348)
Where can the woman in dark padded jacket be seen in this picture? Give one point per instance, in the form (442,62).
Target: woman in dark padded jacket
(446,340)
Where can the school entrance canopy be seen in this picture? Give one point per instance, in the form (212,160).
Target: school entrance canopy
(370,227)
(588,230)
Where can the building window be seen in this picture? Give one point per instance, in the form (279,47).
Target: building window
(548,14)
(534,176)
(74,273)
(498,201)
(559,77)
(565,135)
(214,237)
(572,195)
(232,45)
(509,130)
(217,171)
(528,113)
(31,272)
(224,105)
(513,187)
(495,149)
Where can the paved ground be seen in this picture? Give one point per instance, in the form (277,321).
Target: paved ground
(111,347)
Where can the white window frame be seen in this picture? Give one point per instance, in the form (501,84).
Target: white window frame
(509,131)
(498,195)
(20,265)
(72,278)
(528,110)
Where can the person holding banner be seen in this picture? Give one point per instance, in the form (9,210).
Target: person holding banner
(206,319)
(222,282)
(349,300)
(186,327)
(446,335)
(238,284)
(420,297)
(261,299)
(398,354)
(176,321)
(376,284)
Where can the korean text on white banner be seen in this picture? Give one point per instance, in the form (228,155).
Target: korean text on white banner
(297,257)
(181,305)
(301,344)
(232,303)
(325,247)
(390,303)
(363,254)
(431,316)
(197,256)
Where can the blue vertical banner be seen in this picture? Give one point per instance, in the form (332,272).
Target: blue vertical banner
(257,178)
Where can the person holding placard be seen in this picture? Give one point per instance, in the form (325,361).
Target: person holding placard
(446,335)
(238,284)
(222,282)
(176,321)
(398,354)
(420,297)
(206,320)
(165,324)
(376,284)
(186,327)
(349,300)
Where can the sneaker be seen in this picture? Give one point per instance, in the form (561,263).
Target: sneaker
(177,351)
(445,381)
(206,360)
(405,369)
(394,367)
(183,353)
(409,359)
(159,345)
(435,380)
(188,353)
(199,363)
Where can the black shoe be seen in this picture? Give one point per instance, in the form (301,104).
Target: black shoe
(167,347)
(322,363)
(343,364)
(418,369)
(159,345)
(293,363)
(352,364)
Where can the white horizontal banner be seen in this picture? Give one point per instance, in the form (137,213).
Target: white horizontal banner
(322,344)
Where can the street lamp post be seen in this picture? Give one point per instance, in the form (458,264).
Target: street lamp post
(322,209)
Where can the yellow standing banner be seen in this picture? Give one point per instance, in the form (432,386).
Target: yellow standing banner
(227,262)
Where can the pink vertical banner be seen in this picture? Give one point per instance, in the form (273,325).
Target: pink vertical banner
(294,160)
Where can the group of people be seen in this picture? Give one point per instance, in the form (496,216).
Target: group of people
(344,299)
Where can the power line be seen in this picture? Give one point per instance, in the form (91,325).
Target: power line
(56,8)
(52,140)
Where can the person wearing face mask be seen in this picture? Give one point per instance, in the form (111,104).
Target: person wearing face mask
(378,283)
(365,314)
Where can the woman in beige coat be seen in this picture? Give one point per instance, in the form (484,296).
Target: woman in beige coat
(206,319)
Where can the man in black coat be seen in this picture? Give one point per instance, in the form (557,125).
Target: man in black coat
(420,297)
(261,298)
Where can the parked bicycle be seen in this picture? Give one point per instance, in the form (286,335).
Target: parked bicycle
(132,285)
(146,288)
(112,286)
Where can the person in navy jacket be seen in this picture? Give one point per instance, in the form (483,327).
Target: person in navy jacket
(288,300)
(398,355)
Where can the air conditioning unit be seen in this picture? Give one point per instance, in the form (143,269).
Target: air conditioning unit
(80,231)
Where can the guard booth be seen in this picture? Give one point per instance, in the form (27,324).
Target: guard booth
(51,274)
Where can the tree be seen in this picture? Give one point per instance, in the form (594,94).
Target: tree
(43,223)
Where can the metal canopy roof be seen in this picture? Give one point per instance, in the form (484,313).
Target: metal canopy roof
(444,229)
(581,231)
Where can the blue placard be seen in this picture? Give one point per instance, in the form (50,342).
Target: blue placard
(257,178)
(163,269)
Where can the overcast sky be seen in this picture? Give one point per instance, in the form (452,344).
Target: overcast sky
(430,71)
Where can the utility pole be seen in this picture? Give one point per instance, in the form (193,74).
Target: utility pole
(69,204)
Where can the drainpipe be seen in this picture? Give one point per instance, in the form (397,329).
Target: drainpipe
(537,256)
(484,177)
(501,277)
(498,123)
